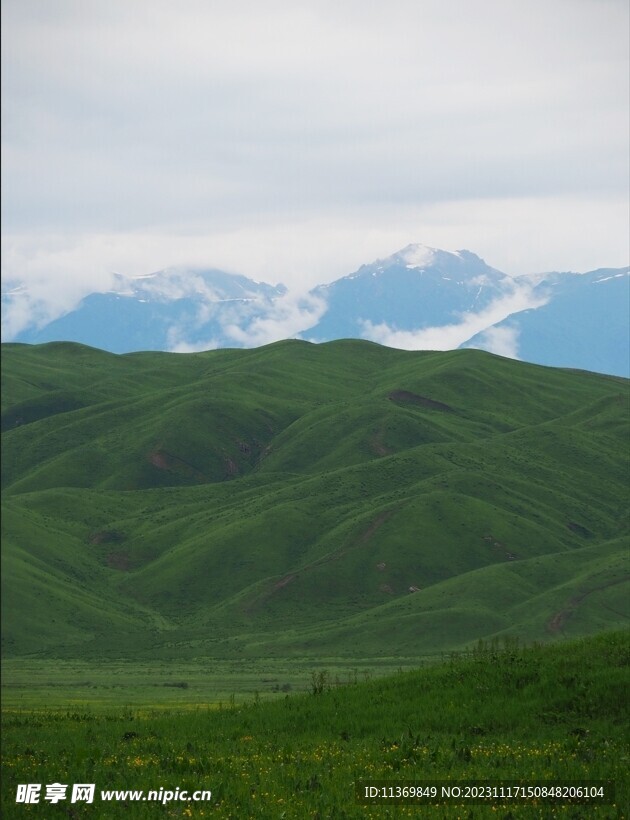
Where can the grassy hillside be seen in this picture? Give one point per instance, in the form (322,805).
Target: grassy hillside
(540,715)
(339,499)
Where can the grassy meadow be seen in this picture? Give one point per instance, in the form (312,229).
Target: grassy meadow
(498,713)
(97,685)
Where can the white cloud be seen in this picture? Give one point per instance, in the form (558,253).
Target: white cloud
(449,337)
(295,141)
(178,345)
(500,340)
(253,324)
(286,317)
(146,115)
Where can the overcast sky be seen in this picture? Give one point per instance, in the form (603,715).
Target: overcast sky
(293,141)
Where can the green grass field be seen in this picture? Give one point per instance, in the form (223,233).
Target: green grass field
(27,683)
(500,713)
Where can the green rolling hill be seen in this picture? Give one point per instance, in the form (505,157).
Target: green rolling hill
(338,499)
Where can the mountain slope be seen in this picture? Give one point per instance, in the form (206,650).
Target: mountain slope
(584,323)
(342,498)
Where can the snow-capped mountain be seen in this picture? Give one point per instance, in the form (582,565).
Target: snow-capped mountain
(418,298)
(171,309)
(416,288)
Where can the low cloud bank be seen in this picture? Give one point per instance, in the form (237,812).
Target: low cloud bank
(449,337)
(255,324)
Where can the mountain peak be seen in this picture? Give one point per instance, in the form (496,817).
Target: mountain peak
(461,263)
(416,255)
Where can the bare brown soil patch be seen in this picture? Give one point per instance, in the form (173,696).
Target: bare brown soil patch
(164,460)
(376,443)
(106,537)
(405,397)
(284,581)
(118,560)
(579,529)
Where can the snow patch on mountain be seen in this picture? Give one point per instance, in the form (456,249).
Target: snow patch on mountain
(417,256)
(615,276)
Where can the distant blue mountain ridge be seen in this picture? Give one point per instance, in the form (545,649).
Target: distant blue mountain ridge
(584,325)
(418,298)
